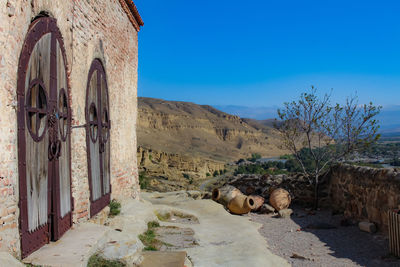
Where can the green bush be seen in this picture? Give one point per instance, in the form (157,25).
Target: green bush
(208,174)
(254,157)
(186,176)
(153,224)
(115,207)
(150,248)
(148,238)
(143,180)
(216,173)
(98,261)
(163,216)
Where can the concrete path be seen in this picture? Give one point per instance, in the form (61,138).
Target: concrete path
(224,239)
(9,261)
(73,249)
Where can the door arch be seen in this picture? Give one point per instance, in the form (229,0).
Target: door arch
(44,144)
(98,127)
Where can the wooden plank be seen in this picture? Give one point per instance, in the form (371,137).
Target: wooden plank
(105,134)
(94,146)
(64,160)
(36,152)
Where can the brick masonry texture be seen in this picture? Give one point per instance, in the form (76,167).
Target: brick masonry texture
(90,29)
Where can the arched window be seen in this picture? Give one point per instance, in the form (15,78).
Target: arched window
(98,137)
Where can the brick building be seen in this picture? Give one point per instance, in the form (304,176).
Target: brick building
(68,79)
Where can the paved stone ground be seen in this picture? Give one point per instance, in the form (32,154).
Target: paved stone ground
(224,239)
(343,246)
(217,238)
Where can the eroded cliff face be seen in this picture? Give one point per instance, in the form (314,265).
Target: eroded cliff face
(187,128)
(170,172)
(180,137)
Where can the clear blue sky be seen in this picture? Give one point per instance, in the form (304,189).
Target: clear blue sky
(263,53)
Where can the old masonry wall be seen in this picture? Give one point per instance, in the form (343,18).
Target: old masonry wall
(90,29)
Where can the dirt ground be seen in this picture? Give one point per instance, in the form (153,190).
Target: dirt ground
(303,240)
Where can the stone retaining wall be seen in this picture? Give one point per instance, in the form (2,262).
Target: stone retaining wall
(364,193)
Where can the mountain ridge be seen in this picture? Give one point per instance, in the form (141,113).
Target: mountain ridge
(202,130)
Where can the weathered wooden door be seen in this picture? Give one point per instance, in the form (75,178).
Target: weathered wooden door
(98,137)
(43,137)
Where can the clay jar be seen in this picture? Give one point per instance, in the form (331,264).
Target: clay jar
(225,194)
(280,199)
(241,204)
(258,202)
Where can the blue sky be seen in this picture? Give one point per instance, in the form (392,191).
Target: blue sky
(262,53)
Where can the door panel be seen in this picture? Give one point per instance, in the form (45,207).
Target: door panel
(94,138)
(105,133)
(98,138)
(43,155)
(37,91)
(62,200)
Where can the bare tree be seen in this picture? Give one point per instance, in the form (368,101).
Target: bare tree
(328,132)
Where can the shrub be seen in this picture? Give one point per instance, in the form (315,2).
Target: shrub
(115,207)
(153,224)
(240,161)
(163,216)
(208,174)
(254,157)
(215,173)
(143,180)
(186,176)
(148,238)
(98,261)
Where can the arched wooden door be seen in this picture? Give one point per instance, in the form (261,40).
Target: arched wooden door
(44,164)
(98,137)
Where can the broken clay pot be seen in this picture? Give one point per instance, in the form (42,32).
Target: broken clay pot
(225,194)
(241,204)
(258,202)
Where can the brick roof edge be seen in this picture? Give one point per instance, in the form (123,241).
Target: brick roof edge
(133,14)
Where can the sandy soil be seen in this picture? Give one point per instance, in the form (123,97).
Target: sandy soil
(341,246)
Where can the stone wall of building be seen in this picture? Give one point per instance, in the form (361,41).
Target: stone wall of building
(90,29)
(365,193)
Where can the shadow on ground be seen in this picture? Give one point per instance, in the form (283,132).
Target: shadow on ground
(321,240)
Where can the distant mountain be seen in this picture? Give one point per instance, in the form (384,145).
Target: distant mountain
(258,113)
(389,118)
(180,143)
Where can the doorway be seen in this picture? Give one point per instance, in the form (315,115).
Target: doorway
(44,137)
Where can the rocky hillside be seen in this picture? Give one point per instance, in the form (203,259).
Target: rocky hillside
(202,131)
(181,143)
